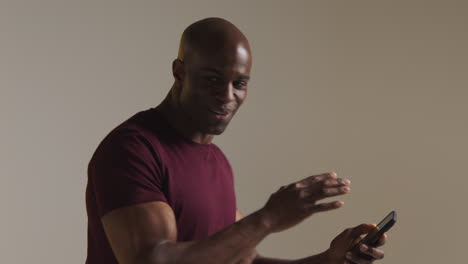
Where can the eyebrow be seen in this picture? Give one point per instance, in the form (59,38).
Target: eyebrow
(243,77)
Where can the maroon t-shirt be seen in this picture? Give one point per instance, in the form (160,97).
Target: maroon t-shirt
(144,160)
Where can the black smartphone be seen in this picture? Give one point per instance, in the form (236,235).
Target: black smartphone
(373,236)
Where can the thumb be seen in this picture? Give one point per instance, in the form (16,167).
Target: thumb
(361,230)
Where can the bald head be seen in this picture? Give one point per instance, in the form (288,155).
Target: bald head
(211,74)
(211,35)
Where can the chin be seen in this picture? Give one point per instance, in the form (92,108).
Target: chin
(216,130)
(212,127)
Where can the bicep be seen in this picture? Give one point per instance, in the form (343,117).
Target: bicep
(133,230)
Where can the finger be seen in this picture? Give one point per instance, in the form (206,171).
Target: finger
(373,252)
(322,207)
(334,191)
(336,182)
(321,177)
(353,258)
(315,194)
(382,240)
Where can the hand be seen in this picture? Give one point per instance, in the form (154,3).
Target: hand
(293,203)
(339,253)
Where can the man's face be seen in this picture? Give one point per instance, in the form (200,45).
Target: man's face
(214,87)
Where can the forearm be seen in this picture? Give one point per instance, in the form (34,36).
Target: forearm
(316,259)
(229,246)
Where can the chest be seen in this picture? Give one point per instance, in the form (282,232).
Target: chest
(201,191)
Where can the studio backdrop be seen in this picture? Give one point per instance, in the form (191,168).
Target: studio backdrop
(374,90)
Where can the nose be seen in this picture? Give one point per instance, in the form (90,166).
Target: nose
(225,93)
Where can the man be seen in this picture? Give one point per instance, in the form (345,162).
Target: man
(160,192)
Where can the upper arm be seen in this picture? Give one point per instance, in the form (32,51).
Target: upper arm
(133,231)
(128,189)
(125,170)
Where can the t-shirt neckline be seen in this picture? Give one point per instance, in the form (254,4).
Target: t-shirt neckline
(175,133)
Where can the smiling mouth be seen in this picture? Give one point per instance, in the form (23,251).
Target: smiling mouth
(218,112)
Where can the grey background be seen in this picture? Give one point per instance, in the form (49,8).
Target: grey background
(375,90)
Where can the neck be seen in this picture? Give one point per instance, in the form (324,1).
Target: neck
(178,120)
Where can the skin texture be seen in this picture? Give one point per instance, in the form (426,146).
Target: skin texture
(211,76)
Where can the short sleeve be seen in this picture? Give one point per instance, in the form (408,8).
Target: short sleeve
(125,170)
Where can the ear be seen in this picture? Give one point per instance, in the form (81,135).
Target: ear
(178,70)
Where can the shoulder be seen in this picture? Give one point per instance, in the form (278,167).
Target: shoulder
(217,151)
(122,139)
(138,131)
(135,138)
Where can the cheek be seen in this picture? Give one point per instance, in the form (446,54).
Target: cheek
(241,96)
(189,92)
(193,99)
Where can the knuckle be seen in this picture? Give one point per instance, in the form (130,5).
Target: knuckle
(348,231)
(330,182)
(301,194)
(362,226)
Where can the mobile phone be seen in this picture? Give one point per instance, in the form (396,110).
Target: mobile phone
(372,238)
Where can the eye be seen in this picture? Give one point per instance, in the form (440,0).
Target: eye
(239,84)
(212,79)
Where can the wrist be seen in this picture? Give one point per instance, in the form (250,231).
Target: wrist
(265,220)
